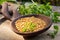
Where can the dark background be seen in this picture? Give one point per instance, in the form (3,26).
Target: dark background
(52,2)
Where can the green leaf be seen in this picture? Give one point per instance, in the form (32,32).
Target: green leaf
(32,25)
(55,19)
(54,33)
(1,1)
(56,14)
(24,29)
(56,27)
(29,26)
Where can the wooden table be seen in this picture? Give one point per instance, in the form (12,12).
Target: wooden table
(6,32)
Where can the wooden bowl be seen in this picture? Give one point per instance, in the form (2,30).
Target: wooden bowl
(31,34)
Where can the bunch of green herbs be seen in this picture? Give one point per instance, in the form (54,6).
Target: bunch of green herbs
(36,8)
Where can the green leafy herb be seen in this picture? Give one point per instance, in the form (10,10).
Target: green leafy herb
(32,25)
(55,17)
(1,1)
(36,8)
(24,29)
(56,27)
(54,33)
(29,26)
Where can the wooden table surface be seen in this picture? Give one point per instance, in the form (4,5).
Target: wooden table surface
(6,32)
